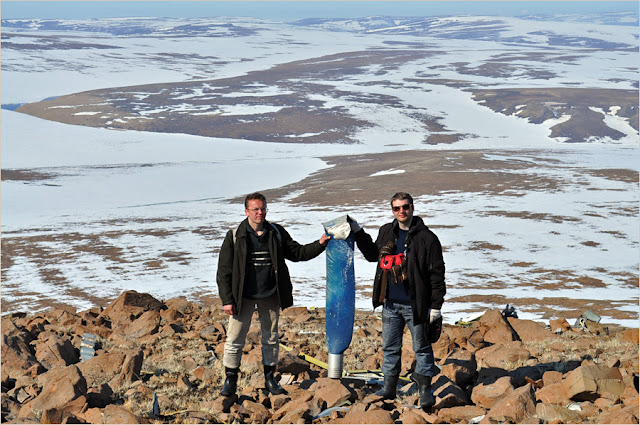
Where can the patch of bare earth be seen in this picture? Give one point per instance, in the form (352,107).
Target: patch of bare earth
(302,115)
(541,104)
(351,180)
(26,175)
(299,119)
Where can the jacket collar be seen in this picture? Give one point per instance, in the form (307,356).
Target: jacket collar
(417,225)
(242,229)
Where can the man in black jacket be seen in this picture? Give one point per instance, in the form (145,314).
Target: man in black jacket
(252,274)
(409,284)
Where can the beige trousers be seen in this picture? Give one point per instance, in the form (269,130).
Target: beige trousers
(239,324)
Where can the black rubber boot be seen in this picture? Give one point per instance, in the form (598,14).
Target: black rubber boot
(424,385)
(231,382)
(270,382)
(388,391)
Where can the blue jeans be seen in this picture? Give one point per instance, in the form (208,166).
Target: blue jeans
(394,317)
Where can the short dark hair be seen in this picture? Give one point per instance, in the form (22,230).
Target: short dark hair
(400,196)
(252,196)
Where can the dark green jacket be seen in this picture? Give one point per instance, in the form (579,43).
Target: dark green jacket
(232,262)
(425,265)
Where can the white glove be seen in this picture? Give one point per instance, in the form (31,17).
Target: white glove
(355,227)
(434,315)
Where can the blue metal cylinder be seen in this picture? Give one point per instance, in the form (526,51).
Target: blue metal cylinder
(341,294)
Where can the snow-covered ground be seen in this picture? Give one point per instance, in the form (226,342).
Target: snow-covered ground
(122,187)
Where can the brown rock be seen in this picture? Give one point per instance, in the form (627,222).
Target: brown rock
(10,408)
(204,374)
(559,325)
(36,325)
(443,346)
(165,403)
(596,328)
(128,306)
(552,394)
(332,391)
(301,318)
(501,356)
(256,411)
(213,332)
(93,416)
(51,416)
(297,416)
(460,366)
(551,377)
(373,362)
(189,363)
(171,315)
(457,335)
(553,412)
(146,324)
(496,329)
(460,414)
(220,405)
(131,367)
(588,382)
(100,396)
(105,366)
(447,393)
(530,331)
(24,391)
(486,395)
(291,363)
(603,403)
(300,412)
(298,403)
(114,414)
(623,415)
(279,400)
(410,416)
(16,355)
(77,406)
(179,304)
(294,311)
(518,405)
(630,335)
(588,410)
(372,416)
(631,401)
(59,387)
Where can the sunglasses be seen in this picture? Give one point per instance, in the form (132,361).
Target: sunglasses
(404,207)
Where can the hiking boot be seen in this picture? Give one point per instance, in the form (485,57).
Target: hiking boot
(388,391)
(424,385)
(270,382)
(231,382)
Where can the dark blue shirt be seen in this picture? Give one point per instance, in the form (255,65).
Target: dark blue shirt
(259,281)
(399,292)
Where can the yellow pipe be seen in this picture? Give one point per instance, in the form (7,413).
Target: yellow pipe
(326,366)
(308,358)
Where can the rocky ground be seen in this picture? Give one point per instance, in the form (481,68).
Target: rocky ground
(160,362)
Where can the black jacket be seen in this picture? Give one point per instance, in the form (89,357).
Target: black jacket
(425,265)
(232,262)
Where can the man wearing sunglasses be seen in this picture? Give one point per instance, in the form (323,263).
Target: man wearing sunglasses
(252,274)
(409,284)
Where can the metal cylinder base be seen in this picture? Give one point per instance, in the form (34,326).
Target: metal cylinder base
(335,366)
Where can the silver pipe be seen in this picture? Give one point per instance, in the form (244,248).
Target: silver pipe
(335,366)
